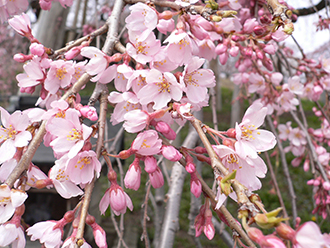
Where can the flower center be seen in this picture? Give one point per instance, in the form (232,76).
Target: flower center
(10,133)
(60,73)
(82,162)
(74,135)
(61,176)
(144,145)
(249,131)
(164,86)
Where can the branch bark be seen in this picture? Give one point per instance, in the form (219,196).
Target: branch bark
(310,10)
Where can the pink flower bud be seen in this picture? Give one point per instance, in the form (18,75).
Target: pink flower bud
(170,153)
(133,176)
(270,49)
(268,64)
(220,49)
(45,5)
(22,58)
(165,129)
(233,51)
(89,112)
(326,185)
(258,30)
(285,231)
(195,185)
(223,58)
(190,168)
(37,49)
(150,164)
(156,178)
(21,24)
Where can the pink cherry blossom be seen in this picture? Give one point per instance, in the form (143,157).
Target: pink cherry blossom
(286,102)
(125,102)
(61,181)
(295,86)
(133,175)
(141,18)
(160,89)
(143,48)
(309,235)
(164,129)
(70,133)
(11,234)
(21,24)
(136,120)
(82,167)
(13,134)
(98,60)
(250,139)
(156,178)
(33,74)
(162,62)
(196,80)
(195,185)
(248,170)
(117,198)
(165,26)
(147,143)
(257,83)
(180,47)
(10,199)
(47,233)
(59,75)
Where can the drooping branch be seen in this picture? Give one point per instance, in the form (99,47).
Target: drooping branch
(310,10)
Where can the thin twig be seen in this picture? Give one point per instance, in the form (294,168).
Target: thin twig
(145,217)
(285,170)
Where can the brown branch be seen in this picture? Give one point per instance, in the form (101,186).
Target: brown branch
(310,10)
(89,187)
(145,217)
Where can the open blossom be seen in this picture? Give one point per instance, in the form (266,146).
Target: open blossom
(13,134)
(248,170)
(98,61)
(82,167)
(33,74)
(47,233)
(12,234)
(141,18)
(250,139)
(309,235)
(117,198)
(59,75)
(196,80)
(160,89)
(180,47)
(10,199)
(257,83)
(143,48)
(147,143)
(61,181)
(125,102)
(70,133)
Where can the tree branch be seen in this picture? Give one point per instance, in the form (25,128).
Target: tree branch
(310,10)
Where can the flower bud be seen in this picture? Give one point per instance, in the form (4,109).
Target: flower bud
(285,231)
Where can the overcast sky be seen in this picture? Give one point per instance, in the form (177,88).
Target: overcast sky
(305,29)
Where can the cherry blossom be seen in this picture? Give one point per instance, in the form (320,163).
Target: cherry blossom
(147,143)
(21,23)
(160,89)
(47,232)
(11,234)
(141,18)
(82,167)
(9,200)
(13,134)
(60,179)
(196,80)
(69,132)
(59,75)
(309,235)
(250,139)
(133,175)
(143,49)
(117,198)
(156,178)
